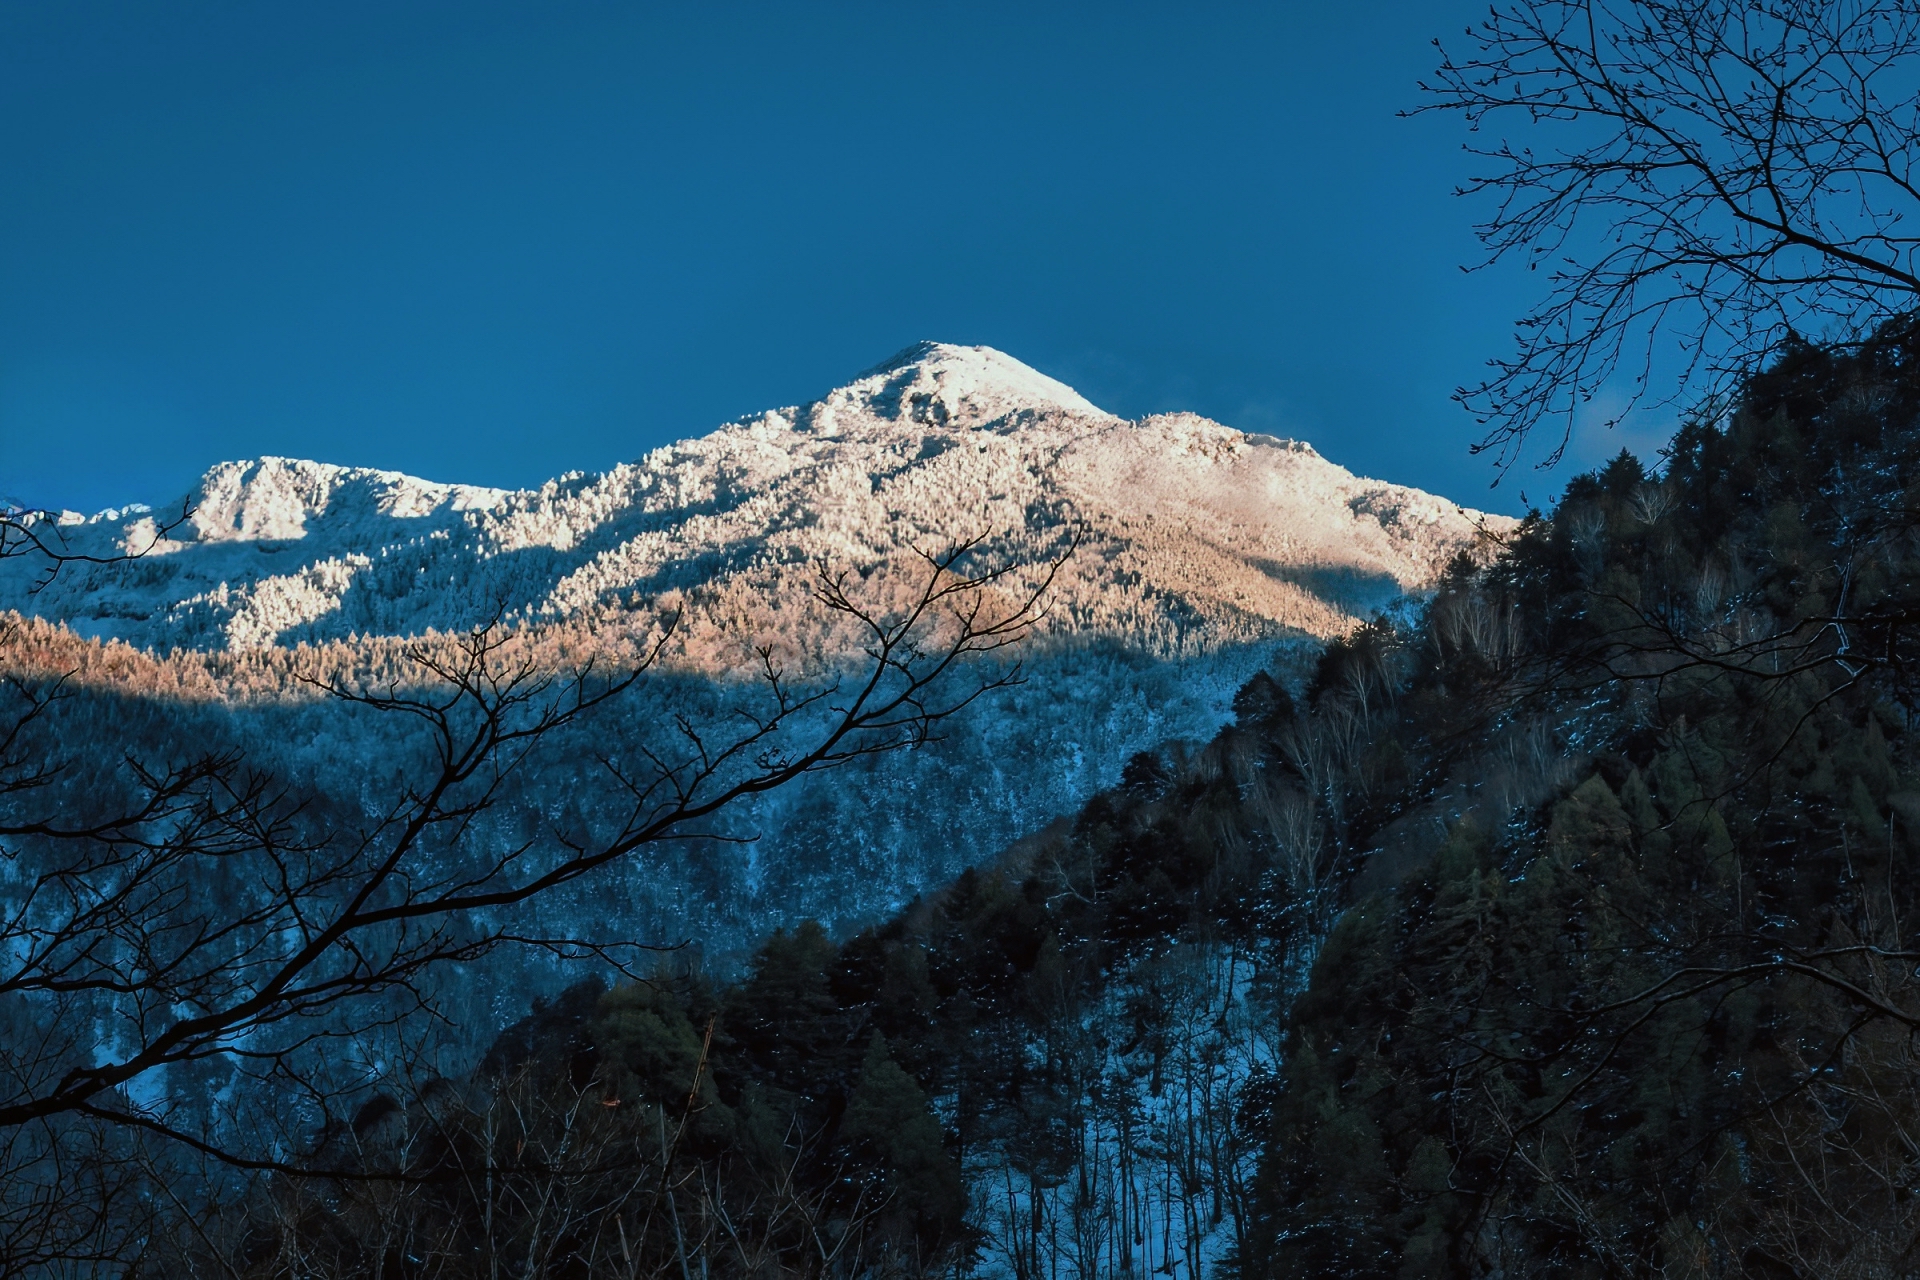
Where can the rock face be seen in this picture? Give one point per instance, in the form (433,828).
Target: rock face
(1197,537)
(1204,553)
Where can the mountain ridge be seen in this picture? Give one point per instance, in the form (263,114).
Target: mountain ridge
(1196,535)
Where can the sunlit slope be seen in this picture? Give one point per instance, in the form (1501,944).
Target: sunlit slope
(1196,536)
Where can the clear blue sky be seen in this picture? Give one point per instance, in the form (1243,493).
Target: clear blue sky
(491,243)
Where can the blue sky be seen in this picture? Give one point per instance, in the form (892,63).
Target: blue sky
(491,243)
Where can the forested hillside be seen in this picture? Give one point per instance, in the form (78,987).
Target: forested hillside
(1639,998)
(1563,930)
(1200,550)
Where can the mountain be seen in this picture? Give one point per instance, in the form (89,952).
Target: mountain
(1564,927)
(1205,554)
(1197,537)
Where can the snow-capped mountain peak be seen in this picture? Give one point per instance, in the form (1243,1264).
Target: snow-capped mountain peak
(939,384)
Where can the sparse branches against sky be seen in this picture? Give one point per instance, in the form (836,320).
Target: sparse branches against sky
(1694,181)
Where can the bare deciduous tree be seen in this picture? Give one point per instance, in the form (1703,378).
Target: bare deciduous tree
(165,918)
(1712,174)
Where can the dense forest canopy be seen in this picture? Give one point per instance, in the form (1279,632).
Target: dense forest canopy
(1655,1018)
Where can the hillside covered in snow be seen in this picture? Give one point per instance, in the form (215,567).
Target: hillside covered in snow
(1197,537)
(1204,553)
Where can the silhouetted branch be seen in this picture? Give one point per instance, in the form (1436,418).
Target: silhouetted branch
(1720,174)
(212,917)
(32,532)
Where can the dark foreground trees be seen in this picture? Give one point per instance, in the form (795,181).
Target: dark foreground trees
(195,959)
(1653,1015)
(661,1128)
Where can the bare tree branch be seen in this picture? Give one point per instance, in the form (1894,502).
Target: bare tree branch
(212,915)
(34,533)
(1702,179)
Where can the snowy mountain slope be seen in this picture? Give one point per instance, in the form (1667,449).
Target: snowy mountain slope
(1198,537)
(1206,553)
